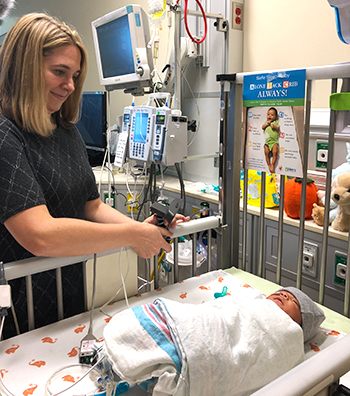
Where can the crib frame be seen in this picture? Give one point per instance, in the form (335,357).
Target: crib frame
(314,375)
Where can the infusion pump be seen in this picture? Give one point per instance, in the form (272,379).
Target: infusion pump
(155,135)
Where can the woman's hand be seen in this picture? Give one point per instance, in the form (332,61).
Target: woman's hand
(178,218)
(149,239)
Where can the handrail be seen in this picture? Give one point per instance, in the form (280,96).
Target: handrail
(312,73)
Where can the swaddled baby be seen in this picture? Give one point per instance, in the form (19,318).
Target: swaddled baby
(239,342)
(300,308)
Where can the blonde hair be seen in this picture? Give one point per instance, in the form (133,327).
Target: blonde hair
(22,85)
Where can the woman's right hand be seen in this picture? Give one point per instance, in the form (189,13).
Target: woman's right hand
(149,240)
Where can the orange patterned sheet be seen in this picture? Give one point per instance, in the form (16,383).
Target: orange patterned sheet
(29,360)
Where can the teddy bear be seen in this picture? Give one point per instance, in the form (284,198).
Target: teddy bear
(341,196)
(318,209)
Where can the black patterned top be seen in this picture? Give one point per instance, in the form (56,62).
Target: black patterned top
(36,170)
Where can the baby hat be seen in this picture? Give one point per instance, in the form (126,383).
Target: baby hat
(311,315)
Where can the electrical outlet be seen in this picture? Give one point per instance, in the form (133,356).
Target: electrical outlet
(340,262)
(164,275)
(310,258)
(109,200)
(133,202)
(237,16)
(321,154)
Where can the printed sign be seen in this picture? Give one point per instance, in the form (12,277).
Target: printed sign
(273,122)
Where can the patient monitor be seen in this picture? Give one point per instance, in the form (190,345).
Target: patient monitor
(121,38)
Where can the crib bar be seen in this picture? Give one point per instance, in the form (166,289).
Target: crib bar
(156,272)
(30,302)
(209,256)
(194,255)
(280,231)
(304,183)
(176,262)
(312,73)
(262,224)
(245,218)
(332,124)
(60,311)
(347,286)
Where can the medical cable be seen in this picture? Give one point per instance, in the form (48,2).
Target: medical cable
(6,388)
(182,187)
(198,109)
(93,367)
(186,24)
(120,288)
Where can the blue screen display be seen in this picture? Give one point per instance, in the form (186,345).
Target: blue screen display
(115,47)
(92,123)
(140,131)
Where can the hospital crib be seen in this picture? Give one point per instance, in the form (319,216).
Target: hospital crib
(319,374)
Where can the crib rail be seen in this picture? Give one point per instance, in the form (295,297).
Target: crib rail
(314,375)
(28,267)
(234,102)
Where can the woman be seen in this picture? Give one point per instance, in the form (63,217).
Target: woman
(49,203)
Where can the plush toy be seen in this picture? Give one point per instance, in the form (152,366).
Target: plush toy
(292,197)
(318,214)
(341,196)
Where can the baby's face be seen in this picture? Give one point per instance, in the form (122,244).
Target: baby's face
(288,303)
(271,115)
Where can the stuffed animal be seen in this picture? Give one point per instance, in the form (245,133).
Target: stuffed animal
(341,196)
(292,197)
(318,214)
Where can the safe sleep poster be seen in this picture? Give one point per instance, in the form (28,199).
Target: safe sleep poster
(273,122)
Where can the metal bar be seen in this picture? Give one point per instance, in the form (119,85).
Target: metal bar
(207,14)
(235,153)
(347,284)
(223,178)
(245,220)
(31,266)
(177,69)
(262,224)
(312,73)
(190,227)
(176,261)
(323,265)
(209,255)
(304,184)
(280,231)
(156,272)
(30,303)
(194,255)
(60,310)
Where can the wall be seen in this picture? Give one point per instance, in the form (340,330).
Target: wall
(280,34)
(277,34)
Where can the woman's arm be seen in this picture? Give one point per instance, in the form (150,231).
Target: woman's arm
(41,234)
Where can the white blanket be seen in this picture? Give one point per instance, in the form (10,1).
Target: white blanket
(230,346)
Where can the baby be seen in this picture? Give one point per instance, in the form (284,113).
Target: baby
(300,308)
(272,129)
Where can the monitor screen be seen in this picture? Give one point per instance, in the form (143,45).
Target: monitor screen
(124,58)
(141,124)
(116,48)
(92,125)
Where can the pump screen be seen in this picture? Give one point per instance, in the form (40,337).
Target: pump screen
(141,124)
